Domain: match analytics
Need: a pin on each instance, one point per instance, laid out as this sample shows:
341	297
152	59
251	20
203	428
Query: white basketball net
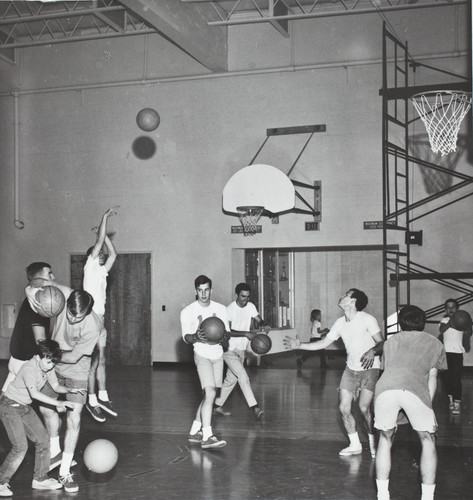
442	113
249	217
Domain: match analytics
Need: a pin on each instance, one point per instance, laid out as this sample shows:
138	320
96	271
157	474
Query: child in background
22	422
316	333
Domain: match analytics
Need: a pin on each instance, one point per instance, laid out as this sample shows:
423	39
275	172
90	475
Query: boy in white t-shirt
244	321
208	358
96	270
453	343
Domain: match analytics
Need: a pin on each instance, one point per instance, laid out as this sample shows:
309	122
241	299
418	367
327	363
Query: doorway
128	307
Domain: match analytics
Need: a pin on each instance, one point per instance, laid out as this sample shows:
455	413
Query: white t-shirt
357	335
240	319
95	282
452	339
193	315
314	331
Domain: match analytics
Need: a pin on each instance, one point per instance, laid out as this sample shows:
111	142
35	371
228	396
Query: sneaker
299	363
218	410
70	486
56	461
195	438
213	442
258	412
47	484
351	450
5	490
96	412
456	408
107	406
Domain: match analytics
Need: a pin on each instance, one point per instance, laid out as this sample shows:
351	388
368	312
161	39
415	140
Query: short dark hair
202	280
80	302
411	318
35	268
242	287
314	313
47	348
453	301
360	298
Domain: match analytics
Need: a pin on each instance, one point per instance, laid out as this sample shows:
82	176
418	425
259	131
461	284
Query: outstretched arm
111	252
102	231
291	343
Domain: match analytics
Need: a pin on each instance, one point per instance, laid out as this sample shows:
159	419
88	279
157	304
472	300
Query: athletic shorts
210	371
71	383
355	381
389	403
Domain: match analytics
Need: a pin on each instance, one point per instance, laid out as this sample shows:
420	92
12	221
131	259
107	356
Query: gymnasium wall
77	108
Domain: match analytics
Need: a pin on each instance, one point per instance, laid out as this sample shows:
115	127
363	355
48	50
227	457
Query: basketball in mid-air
214	329
261	343
52	301
148	119
461	320
100	456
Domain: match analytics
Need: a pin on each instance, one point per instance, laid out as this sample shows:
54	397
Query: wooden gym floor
291	453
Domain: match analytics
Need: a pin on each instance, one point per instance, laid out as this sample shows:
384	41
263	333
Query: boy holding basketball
96	270
207	357
364	344
29	327
22	422
242	316
453	342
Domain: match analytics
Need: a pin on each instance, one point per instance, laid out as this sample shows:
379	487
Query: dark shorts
355	381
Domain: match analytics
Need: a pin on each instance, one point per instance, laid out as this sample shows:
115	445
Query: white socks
54	446
103	395
428	491
93	400
66	462
354	440
196	426
382	486
206	433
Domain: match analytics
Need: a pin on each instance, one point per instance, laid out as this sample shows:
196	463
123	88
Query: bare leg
91	385
428	457
383	455
366	397
100	370
345	402
206	406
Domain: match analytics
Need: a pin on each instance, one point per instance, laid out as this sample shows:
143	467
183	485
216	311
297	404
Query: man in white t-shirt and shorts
242	315
208	359
363	341
96	270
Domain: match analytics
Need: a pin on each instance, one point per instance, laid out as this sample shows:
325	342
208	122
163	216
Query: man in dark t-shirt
29	326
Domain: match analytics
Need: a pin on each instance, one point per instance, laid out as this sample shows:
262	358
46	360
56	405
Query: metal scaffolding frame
398	163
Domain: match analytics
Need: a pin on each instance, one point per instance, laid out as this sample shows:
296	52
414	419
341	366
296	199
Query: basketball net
249	217
442	113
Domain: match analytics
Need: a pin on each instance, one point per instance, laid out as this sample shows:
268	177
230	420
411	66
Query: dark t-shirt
23	343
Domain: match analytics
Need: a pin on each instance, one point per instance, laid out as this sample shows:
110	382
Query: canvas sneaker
107	406
47	484
219	410
212	442
96	412
456	410
5	490
195	438
351	450
70	486
258	412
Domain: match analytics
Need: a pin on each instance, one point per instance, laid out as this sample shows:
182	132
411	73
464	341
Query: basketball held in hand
461	321
52	301
214	329
261	343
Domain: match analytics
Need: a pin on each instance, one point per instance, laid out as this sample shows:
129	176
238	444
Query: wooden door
128	307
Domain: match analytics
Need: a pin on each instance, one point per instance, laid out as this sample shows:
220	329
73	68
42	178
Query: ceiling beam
185	25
